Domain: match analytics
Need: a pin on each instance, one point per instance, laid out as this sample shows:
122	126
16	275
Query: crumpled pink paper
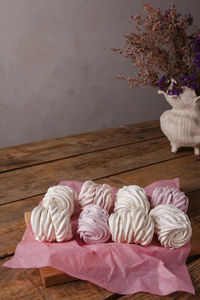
120	268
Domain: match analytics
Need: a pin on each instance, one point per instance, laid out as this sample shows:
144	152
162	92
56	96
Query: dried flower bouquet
164	47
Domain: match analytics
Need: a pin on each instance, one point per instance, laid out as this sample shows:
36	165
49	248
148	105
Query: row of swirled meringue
135	217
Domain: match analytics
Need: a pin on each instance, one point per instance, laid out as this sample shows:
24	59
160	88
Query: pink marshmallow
93	225
167	195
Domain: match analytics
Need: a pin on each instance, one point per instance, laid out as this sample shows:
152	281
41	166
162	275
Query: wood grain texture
194	204
51	276
195	239
27	217
12	224
133	154
186	168
19	184
59	148
17	284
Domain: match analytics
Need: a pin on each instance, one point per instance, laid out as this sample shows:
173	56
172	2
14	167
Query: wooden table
134	154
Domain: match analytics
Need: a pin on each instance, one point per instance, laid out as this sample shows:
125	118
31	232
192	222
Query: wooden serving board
51	276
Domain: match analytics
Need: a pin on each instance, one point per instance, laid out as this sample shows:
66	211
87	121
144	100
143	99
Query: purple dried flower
197	61
193	85
166	12
163	45
195	43
175	90
164	82
162	21
190	80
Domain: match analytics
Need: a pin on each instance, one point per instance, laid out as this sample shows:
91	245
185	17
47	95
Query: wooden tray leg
49	275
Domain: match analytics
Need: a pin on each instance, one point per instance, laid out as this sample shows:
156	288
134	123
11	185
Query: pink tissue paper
119	268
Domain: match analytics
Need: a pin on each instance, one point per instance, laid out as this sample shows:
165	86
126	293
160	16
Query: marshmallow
131	226
171	225
131	196
92	193
52	224
61	196
167	195
93	225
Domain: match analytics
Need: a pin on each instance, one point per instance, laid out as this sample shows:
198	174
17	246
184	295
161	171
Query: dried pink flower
161	45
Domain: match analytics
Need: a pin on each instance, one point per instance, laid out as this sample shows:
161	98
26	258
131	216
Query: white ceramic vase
181	124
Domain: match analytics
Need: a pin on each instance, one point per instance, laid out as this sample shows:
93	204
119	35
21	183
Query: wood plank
12	224
59	148
27	284
15	218
27	217
194	207
186	168
194	271
195	240
31	181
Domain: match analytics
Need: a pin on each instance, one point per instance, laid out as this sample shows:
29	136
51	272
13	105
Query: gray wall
57	73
